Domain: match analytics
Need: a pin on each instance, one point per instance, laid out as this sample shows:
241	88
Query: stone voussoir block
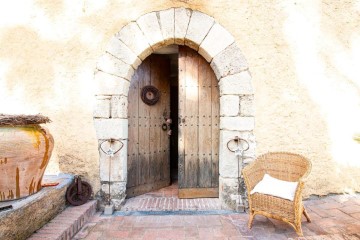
166	20
216	41
117	163
119	106
108	84
149	25
182	18
102	107
119	50
116	128
134	38
114	66
229	61
199	26
230	105
237	123
239	83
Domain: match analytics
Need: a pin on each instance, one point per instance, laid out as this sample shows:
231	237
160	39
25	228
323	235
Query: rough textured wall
303	55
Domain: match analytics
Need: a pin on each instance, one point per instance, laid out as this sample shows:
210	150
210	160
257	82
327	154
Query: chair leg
251	219
298	228
306	215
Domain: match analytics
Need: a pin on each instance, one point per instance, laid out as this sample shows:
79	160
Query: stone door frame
125	52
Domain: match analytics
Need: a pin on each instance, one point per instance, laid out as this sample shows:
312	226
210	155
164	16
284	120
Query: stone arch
125	52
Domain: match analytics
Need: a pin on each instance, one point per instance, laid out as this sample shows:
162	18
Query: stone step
66	224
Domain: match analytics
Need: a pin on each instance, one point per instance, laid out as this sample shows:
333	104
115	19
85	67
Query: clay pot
24	154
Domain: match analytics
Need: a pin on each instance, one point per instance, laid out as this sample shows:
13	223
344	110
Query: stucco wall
303	55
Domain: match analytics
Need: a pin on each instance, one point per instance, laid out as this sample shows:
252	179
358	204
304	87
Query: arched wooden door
198	127
148	146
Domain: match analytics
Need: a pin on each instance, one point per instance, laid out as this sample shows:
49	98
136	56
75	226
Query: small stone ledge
31	213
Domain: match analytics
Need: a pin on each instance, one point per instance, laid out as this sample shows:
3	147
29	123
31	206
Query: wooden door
148	146
198	127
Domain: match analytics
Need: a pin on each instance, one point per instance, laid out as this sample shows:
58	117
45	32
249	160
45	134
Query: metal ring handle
112	140
238	140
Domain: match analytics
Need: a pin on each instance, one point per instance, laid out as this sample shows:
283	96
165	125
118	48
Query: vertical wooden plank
133	141
181	127
164	88
153	161
215	132
205	118
144	130
156	119
191	120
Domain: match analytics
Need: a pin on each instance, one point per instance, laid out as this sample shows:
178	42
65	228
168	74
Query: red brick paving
166	199
333	217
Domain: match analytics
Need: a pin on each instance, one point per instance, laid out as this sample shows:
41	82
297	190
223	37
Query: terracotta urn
25	150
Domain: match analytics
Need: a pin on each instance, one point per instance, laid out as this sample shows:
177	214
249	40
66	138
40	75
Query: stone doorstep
66	224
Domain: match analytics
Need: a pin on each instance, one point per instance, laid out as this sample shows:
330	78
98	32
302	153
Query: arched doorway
176	138
136	41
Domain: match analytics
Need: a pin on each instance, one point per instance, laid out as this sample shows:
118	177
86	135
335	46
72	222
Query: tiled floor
333	217
167	199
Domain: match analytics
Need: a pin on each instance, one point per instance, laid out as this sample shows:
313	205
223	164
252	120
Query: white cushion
276	187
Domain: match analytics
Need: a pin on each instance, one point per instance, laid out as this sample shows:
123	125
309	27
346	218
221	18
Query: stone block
107	84
119	50
228	192
117	193
102	107
182	18
230	105
239	84
199	26
119	106
228	164
166	20
216	41
116	128
149	25
116	164
111	65
237	123
247	106
229	61
134	38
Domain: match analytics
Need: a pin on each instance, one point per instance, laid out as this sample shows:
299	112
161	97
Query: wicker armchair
284	166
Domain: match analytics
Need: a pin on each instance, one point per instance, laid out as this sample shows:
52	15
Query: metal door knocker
150	95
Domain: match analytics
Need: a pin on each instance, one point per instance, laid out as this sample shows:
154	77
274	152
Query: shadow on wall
325	49
51	77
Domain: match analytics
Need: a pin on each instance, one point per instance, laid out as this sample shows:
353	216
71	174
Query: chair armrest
253	173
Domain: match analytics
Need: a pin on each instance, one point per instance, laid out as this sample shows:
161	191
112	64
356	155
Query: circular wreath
150	95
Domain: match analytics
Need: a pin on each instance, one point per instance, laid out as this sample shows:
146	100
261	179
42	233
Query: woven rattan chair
284	166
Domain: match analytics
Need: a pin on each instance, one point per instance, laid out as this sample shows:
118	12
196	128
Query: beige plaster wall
303	55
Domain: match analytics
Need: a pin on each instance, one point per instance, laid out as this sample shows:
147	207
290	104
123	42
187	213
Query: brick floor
333	217
167	199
